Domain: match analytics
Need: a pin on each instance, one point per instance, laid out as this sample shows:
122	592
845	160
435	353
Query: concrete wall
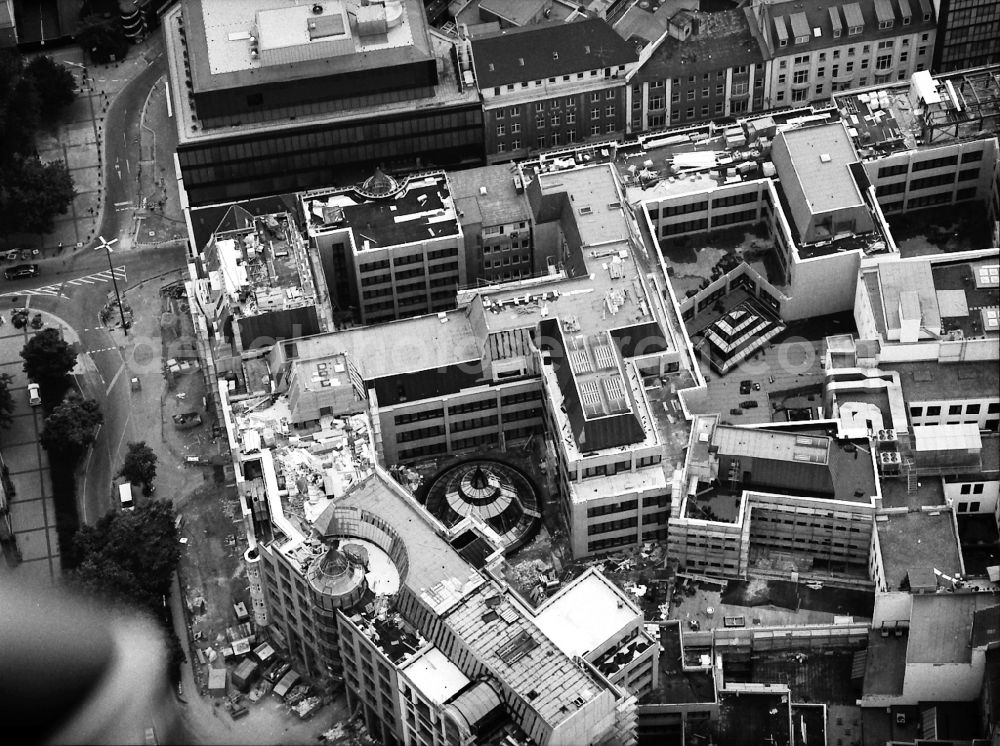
944	682
823	285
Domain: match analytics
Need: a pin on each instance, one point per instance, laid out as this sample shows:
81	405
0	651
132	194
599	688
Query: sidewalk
158	218
77	140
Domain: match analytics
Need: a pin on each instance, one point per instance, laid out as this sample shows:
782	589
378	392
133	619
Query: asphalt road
80	294
121	141
73	290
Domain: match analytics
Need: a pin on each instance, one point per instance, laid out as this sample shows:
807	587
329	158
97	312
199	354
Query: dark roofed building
818	48
549	49
294	96
710	65
551	84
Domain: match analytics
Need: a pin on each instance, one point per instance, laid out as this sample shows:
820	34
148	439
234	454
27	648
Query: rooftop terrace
448	91
929	379
917	540
608	611
924	110
397	347
260	263
417	210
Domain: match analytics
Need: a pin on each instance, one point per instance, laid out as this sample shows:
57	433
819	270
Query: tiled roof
803	18
722	40
548	50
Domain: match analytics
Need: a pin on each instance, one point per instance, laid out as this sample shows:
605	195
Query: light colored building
817	48
496	220
774	500
252	281
390	249
928	647
357	582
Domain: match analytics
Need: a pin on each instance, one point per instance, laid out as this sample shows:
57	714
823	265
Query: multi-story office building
815	48
272	96
551	84
390	249
252	280
968	34
496	220
771	500
709	66
357	582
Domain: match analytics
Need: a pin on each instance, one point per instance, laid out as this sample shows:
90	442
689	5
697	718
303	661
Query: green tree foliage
130	556
54	84
128	560
6	400
71	427
32	193
19	108
139	466
48	358
102	38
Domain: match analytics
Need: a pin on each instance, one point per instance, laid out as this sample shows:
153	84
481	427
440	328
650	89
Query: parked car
34	398
21	270
749	404
745	387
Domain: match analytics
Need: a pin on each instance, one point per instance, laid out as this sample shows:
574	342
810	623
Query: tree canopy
128	559
102	38
19	108
71	427
48	358
6	400
32	193
139	466
55	86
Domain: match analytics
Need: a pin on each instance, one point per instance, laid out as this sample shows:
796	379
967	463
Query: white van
125	496
34	397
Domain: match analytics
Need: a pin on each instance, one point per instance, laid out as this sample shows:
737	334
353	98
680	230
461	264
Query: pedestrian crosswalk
59	288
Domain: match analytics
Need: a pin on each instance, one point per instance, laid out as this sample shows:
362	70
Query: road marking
56	289
114	380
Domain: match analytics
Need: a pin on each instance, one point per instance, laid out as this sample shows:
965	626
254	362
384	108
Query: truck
125	496
187	420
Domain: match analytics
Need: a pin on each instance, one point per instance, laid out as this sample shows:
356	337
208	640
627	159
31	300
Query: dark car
745	387
21	270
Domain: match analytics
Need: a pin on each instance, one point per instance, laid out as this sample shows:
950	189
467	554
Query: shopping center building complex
578	320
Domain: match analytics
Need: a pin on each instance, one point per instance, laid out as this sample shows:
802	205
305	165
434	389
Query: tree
19	108
32	193
102	38
6	400
71	428
140	466
48	358
54	84
111	567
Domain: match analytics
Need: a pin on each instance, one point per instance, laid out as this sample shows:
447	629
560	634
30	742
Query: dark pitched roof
801	18
722	40
548	50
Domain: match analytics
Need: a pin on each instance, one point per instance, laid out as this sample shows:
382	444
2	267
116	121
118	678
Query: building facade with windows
270	98
552	84
968	34
496	219
815	49
390	249
709	66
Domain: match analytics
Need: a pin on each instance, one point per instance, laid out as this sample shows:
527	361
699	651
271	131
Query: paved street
109	358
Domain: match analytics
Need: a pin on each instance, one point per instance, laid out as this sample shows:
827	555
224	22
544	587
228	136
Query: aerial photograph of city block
500	372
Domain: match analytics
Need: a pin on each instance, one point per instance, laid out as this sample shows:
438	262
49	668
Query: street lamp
106	245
